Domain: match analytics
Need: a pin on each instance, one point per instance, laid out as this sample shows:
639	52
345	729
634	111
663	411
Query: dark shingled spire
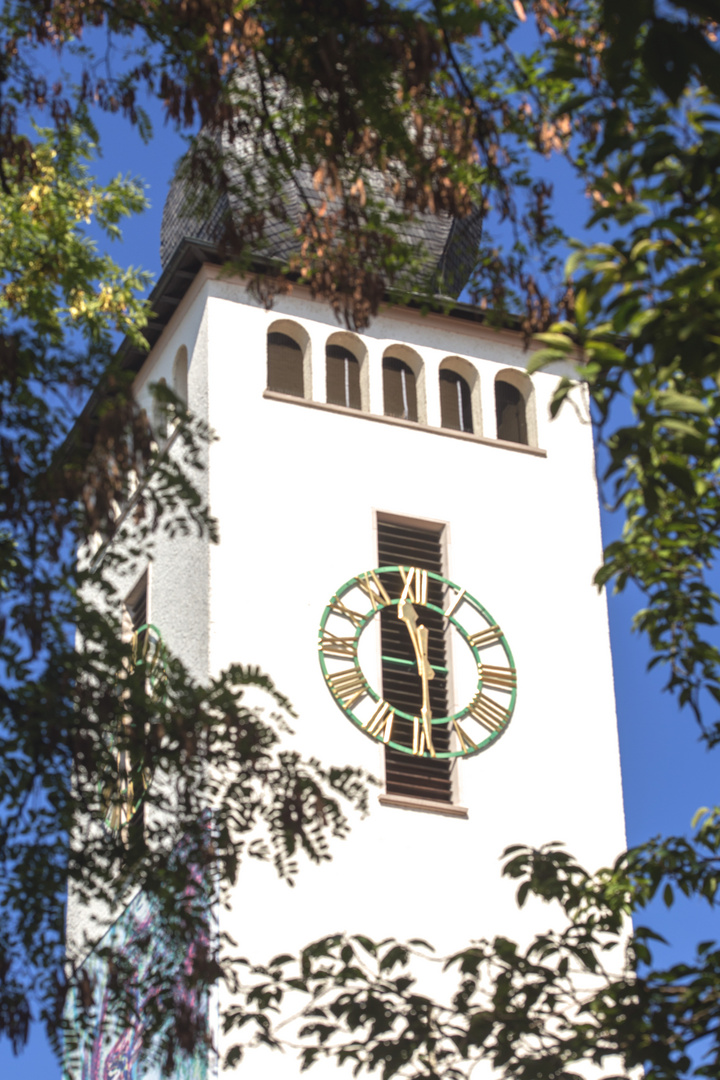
450	244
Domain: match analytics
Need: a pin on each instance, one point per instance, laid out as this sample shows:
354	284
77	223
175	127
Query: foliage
368	114
66	700
585	993
635	97
374	112
645	323
386	134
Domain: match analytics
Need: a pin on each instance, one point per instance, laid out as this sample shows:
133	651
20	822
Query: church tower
407	546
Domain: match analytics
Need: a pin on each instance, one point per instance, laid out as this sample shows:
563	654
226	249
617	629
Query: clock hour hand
419	638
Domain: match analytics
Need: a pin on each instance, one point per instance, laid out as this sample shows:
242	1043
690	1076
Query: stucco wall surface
177	568
297	491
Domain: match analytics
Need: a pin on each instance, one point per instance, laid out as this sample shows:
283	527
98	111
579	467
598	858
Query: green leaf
544	357
582	306
559	341
699	815
676	402
642	247
558	399
680	476
365	943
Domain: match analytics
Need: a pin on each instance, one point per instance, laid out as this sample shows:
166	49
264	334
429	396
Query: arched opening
455	401
180	375
285	364
342	374
510	410
399	389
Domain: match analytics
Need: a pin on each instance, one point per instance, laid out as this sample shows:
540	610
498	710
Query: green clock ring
405	592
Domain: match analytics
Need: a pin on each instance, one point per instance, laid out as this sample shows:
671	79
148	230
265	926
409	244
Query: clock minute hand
419	638
426	674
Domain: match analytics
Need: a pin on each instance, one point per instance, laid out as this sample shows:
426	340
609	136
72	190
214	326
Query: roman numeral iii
497	678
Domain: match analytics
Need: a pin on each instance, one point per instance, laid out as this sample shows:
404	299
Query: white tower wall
296	486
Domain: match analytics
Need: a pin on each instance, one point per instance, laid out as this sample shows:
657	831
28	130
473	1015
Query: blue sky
667	774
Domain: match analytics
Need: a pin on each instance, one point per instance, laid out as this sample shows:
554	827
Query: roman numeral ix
332	645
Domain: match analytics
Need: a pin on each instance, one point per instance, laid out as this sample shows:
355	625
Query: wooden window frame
408	392
464	403
299	337
506	389
525	386
352	396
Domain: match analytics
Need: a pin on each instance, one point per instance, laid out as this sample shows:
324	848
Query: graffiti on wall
106	1030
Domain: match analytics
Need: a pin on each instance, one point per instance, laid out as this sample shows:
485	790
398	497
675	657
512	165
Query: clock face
421	613
122	798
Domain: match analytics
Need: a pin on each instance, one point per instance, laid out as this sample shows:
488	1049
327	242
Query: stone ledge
428	806
500	444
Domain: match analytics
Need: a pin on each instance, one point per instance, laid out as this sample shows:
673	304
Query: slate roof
450	244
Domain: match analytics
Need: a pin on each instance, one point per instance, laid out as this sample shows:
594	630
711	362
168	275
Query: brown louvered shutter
342	377
455	409
285	365
410	545
399	391
510	412
137	607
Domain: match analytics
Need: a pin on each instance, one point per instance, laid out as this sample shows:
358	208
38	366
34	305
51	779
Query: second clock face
123	796
420	613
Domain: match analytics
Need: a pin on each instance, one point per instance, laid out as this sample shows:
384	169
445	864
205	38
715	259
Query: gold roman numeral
463	738
371	584
497	678
338	608
454	604
418	746
347	685
488	713
333	645
382	717
415	583
485	637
